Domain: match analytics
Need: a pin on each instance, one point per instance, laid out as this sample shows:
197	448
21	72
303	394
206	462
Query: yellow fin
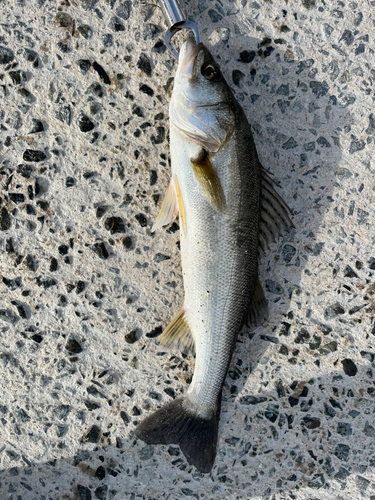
209	181
168	209
180	204
178	333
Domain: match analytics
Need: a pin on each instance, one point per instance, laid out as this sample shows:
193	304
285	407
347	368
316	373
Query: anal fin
178	333
257	312
209	181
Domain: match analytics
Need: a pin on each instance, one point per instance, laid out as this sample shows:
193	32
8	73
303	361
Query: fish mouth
190	55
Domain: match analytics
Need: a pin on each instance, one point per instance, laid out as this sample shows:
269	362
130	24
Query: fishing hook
176	21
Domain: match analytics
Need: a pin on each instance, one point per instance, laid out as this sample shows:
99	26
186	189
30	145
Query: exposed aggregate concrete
86	288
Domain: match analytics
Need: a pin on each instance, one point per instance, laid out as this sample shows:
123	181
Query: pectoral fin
180	202
209	181
257	312
178	333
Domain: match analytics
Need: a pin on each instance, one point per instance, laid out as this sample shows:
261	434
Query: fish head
202	105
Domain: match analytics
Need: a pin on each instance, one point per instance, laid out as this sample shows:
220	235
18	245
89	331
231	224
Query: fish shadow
288	428
293	114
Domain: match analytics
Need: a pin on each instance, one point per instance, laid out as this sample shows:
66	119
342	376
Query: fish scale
211	259
216	186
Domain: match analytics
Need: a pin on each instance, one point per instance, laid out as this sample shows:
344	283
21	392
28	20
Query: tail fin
175	423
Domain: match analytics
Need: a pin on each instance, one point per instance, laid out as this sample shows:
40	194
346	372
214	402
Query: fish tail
178	423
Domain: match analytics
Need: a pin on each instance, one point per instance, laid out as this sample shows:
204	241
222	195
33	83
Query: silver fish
228	209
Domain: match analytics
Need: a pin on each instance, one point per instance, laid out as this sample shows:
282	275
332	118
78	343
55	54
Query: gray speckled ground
86	288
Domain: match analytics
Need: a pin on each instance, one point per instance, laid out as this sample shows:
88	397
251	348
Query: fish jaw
188	58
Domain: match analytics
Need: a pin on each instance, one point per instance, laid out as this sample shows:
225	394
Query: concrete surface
86	288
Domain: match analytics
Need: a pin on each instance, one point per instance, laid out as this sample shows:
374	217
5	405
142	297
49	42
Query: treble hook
176	21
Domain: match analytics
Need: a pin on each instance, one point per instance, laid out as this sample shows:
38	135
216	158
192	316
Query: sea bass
228	209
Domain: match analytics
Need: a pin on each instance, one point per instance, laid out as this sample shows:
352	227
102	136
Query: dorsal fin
257	312
178	333
274	212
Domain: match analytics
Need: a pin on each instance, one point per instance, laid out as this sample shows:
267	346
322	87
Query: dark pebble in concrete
17	198
64	114
4	219
349	367
101	72
116	25
115	225
333	311
144	64
84	493
320	89
155	332
128	243
170	392
215	16
8	316
84	65
30	263
34	155
146	90
85	124
311	422
251	400
159	137
147	452
247	56
63	249
85	31
131	337
36	127
142	220
274	287
344	429
25	170
100	473
124	10
159	257
342	452
159	47
237	77
6	55
63	20
45	282
73	346
100	250
92	435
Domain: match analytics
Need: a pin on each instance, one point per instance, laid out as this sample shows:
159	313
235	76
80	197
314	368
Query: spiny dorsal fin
209	181
257	312
274	213
178	333
168	209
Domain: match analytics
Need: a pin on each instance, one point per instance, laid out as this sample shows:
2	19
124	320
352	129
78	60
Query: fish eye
211	72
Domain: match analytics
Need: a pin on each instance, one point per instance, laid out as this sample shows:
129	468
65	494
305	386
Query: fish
229	212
